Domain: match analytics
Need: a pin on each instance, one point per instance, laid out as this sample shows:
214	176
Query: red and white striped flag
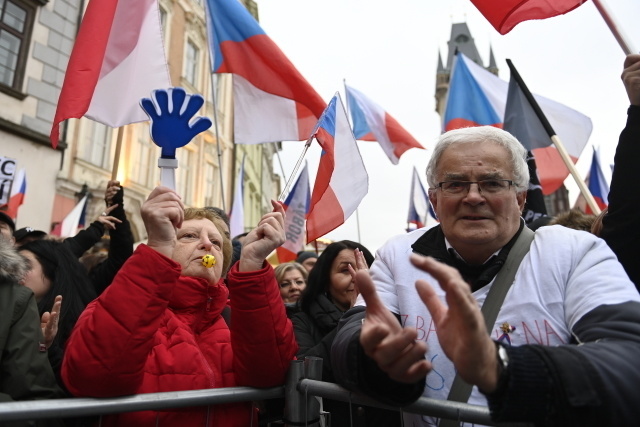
118	58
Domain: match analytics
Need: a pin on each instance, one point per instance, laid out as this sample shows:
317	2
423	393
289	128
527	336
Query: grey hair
13	266
517	152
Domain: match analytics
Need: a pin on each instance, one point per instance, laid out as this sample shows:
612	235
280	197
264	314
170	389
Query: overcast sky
389	50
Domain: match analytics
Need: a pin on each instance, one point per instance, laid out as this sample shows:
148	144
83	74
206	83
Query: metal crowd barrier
301	406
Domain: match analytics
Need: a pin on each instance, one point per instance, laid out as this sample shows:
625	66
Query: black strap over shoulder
460	390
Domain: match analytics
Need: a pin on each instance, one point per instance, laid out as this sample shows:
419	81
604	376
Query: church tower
460	41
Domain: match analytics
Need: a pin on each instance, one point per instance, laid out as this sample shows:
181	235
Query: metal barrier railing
301	407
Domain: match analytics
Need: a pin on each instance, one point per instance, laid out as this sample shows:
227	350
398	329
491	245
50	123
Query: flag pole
307	144
285	190
349	120
116	157
219	151
614	27
555	139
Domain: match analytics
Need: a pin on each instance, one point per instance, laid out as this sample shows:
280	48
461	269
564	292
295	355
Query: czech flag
506	14
477	98
271	100
296	206
419	205
18	191
372	123
70	224
117	59
342	180
598	185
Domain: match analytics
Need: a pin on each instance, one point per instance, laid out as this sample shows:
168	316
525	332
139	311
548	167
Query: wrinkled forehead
487	157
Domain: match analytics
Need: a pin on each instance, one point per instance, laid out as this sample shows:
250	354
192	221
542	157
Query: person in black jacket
120	239
329	293
619	225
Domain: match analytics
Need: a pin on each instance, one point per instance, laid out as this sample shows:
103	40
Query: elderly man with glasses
418	329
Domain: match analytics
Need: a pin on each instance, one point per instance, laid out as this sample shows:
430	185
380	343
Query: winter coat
25	372
315	332
154	330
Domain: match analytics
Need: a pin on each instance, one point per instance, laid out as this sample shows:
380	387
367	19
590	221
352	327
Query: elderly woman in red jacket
159	328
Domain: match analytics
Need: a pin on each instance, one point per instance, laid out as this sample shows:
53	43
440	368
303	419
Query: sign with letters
7	173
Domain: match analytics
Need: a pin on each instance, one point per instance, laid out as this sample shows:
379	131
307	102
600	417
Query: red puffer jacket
153	330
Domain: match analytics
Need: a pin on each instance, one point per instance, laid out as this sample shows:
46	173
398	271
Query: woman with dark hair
329	293
55	271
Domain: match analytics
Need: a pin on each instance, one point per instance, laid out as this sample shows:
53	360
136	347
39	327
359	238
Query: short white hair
517	152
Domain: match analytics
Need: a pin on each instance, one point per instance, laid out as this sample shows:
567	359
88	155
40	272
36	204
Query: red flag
117	59
506	14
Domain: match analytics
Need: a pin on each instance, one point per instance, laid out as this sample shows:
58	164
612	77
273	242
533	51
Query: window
97	144
191	63
184	175
142	156
16	19
212	182
163	20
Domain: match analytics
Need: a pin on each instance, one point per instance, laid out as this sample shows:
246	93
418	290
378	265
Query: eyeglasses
488	187
299	283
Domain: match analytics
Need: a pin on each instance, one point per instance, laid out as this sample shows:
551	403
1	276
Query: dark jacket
120	245
25	372
315	332
620	225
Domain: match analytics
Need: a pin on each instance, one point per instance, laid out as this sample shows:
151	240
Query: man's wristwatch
503	368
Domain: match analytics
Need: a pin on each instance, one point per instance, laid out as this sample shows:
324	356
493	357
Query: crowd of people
540	324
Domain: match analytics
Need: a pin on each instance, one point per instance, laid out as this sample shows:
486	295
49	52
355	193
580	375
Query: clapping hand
171	123
262	240
394	348
49	322
462	332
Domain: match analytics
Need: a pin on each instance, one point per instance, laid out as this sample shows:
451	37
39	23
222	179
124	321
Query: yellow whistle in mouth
208	261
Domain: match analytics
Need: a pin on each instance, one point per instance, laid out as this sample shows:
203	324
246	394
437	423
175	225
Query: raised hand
162	214
113	186
262	240
361	264
383	339
107	220
461	328
631	78
49	321
171	122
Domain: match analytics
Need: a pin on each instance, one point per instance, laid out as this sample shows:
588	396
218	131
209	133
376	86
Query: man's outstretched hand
383	339
171	127
461	328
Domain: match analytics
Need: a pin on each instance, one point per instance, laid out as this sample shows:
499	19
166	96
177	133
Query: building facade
41	36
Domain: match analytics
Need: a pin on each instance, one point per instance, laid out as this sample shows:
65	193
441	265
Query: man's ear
522	198
433	199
